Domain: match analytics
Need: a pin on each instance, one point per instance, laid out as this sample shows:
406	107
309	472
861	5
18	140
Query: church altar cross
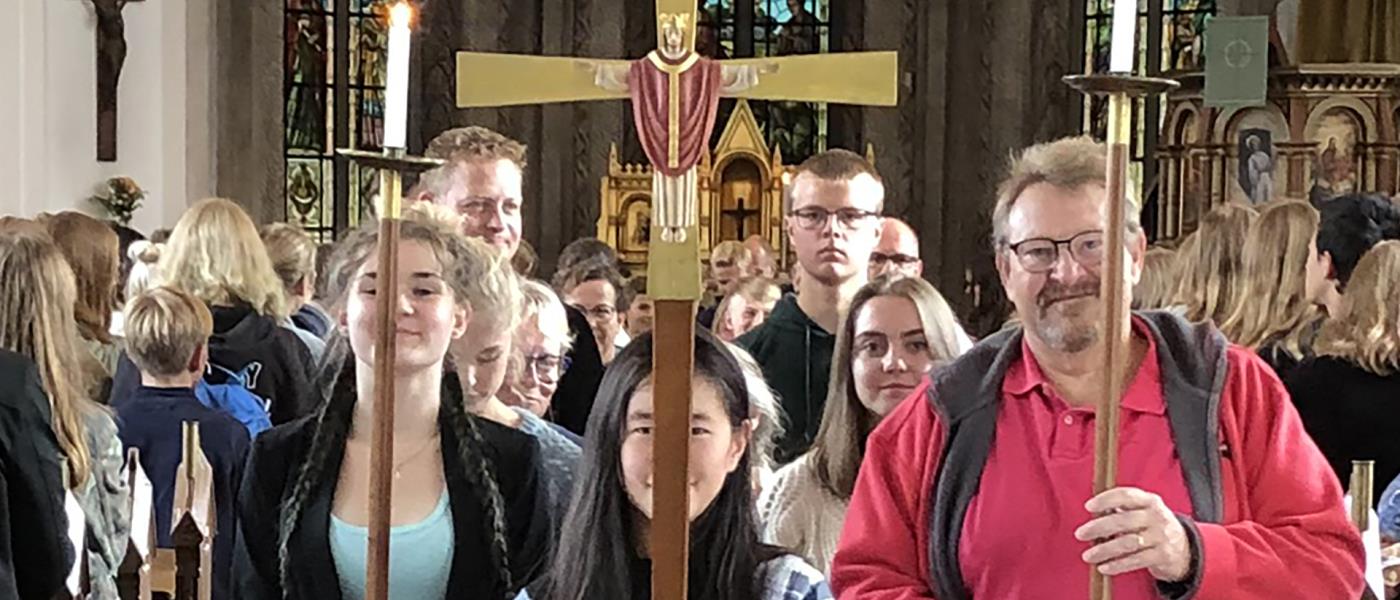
741	215
675	93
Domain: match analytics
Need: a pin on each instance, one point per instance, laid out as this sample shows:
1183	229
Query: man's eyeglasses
1039	255
899	260
849	218
602	311
547	366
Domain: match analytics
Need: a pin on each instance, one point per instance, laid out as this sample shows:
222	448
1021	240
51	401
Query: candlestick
396	96
1124	36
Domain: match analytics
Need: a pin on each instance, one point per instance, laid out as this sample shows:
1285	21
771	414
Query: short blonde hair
292	252
1154	290
470	144
540	304
732	251
1067	163
164	328
1367	330
216	254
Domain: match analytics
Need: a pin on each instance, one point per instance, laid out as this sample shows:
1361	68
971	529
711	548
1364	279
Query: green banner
1237	61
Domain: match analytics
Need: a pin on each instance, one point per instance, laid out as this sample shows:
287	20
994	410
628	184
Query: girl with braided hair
465	489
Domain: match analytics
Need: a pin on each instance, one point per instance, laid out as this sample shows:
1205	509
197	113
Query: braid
471	451
332	428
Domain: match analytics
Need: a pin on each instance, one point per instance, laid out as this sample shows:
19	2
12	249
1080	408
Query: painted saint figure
675	97
1261	172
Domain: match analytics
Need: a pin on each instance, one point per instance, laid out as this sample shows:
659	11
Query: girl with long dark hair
603	551
465	489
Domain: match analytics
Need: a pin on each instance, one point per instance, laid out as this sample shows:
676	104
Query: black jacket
795	354
151	422
1351	413
34	551
279	362
573	399
272	471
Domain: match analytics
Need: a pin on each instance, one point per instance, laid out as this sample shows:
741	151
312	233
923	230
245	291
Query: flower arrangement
121	198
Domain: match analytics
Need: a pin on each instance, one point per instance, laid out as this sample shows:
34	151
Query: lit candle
1124	36
396	96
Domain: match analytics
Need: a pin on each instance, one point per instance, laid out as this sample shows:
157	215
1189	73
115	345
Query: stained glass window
785	28
313	200
779	28
1175	43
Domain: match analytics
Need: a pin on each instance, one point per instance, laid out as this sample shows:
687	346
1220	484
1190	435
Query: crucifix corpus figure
675	94
111	56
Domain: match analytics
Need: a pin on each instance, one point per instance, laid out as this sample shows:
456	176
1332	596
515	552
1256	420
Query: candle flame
400	15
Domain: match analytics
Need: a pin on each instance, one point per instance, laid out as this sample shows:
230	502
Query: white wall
48	107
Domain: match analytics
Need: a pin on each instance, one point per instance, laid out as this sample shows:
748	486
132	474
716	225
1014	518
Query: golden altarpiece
741	194
1326	130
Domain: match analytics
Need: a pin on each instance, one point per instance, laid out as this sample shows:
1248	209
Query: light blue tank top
420	556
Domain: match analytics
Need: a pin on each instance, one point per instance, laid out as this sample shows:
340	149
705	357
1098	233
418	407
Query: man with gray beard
1223	494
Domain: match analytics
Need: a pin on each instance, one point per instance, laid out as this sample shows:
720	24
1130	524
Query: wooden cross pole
1120	89
674	92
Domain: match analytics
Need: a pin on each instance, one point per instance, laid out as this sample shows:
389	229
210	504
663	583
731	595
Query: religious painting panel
636	224
1255	167
1336	135
1255	148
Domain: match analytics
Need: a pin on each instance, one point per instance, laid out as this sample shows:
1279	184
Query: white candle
396	96
1124	36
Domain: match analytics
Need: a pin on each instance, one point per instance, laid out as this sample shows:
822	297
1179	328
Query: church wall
48	108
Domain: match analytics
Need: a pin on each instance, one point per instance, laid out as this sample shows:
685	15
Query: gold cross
491	80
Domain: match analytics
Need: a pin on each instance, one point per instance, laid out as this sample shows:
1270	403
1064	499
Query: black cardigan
272	471
34	548
1351	413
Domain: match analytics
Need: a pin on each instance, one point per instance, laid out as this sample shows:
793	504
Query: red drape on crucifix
674	131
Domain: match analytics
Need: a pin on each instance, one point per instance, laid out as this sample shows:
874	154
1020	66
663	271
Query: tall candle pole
1121	87
391	163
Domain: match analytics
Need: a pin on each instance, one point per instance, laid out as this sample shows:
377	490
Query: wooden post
1120	89
381	452
673	358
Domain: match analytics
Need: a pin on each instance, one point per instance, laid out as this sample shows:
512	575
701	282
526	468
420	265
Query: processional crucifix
675	96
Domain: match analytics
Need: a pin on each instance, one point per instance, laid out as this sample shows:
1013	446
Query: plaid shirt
791	578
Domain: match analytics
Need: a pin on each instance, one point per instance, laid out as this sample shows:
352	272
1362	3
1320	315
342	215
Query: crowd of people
848	438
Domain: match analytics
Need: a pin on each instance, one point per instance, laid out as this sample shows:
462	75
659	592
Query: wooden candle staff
1120	89
392	163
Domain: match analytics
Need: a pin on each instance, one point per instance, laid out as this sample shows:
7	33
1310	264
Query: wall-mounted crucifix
111	55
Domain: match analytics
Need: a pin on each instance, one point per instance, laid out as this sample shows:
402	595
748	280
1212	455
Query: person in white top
896	332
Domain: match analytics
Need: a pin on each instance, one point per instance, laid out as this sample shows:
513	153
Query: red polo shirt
1018	538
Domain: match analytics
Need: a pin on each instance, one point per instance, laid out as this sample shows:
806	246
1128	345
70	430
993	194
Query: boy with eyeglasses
833	223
